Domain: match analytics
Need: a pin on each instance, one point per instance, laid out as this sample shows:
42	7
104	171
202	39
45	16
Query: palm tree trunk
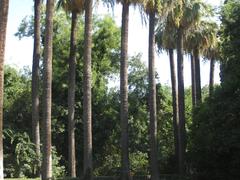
181	104
152	99
211	80
197	77
174	102
193	72
87	94
4	4
125	174
71	97
47	93
35	82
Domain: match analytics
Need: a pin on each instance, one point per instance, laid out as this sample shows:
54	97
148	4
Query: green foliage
230	29
105	104
57	168
20	157
215	130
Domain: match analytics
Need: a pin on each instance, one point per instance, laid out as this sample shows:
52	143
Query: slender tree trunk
193	72
35	82
87	93
211	80
71	97
152	99
125	174
174	102
198	77
47	93
181	104
3	30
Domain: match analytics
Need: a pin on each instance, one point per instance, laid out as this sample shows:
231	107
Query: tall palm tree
35	81
47	93
87	94
4	4
181	101
201	38
125	172
152	8
75	7
152	96
166	39
71	98
187	15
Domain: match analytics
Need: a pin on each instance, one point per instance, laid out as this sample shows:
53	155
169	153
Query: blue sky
19	52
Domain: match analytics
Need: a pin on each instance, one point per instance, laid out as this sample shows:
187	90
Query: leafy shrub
20	159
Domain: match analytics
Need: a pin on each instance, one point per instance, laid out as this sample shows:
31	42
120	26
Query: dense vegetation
215	129
203	143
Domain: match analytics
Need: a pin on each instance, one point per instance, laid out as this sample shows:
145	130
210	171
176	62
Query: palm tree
35	81
125	173
152	96
4	4
166	39
75	7
87	94
152	8
200	39
47	93
212	54
187	15
181	101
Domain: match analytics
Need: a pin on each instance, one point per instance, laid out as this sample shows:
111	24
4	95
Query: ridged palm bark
193	75
35	82
87	94
211	77
181	103
197	76
174	100
71	97
125	174
152	98
4	4
47	93
74	7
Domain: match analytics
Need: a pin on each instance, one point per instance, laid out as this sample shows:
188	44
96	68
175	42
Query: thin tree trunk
152	99
193	72
35	82
211	80
4	4
71	97
198	77
174	101
87	94
125	174
181	104
47	93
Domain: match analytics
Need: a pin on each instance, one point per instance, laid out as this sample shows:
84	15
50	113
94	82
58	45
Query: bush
20	159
